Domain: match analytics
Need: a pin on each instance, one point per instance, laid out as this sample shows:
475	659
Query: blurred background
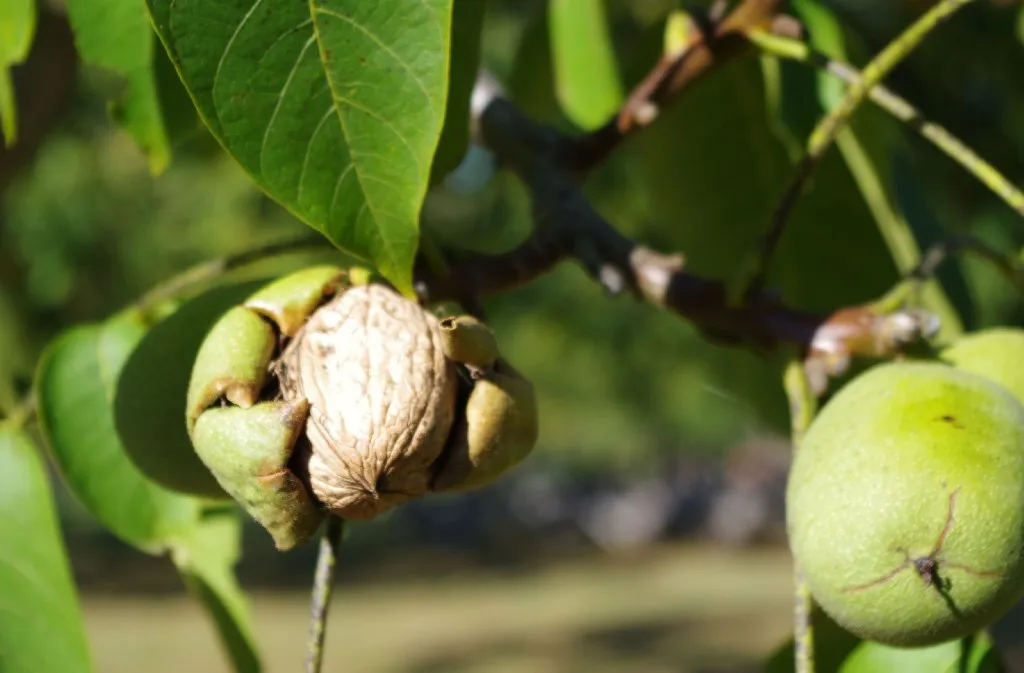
646	532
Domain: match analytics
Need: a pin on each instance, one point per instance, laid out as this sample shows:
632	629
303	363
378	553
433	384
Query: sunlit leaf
467	24
334	108
116	35
41	626
149	404
17	27
972	655
839	651
586	75
75	387
206	561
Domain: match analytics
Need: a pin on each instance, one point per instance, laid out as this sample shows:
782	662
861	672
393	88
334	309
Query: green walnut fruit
997	354
905	504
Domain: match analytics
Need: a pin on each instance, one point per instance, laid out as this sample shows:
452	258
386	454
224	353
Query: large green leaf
712	194
467	26
17	27
870	147
206	562
41	625
972	655
116	35
149	405
586	75
75	387
832	645
335	108
839	651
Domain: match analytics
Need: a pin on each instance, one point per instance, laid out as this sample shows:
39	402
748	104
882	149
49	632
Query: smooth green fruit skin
996	353
874	475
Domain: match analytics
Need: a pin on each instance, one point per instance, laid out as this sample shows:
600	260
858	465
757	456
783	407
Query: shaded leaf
206	561
334	108
467	26
149	405
41	626
117	35
586	75
832	645
714	172
839	651
75	387
17	27
870	146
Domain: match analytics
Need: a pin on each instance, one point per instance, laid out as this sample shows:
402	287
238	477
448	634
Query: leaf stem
802	406
211	269
323	584
824	133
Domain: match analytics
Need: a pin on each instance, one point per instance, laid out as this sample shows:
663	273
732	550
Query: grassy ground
678	610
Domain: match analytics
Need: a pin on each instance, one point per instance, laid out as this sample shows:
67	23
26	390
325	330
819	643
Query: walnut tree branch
705	42
567	228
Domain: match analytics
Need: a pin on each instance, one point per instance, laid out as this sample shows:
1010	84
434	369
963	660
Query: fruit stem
323	584
803	404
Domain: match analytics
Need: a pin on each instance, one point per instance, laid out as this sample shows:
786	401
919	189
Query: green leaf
117	35
839	651
712	196
467	26
335	108
971	655
41	626
832	645
75	387
17	27
868	147
206	563
149	406
586	77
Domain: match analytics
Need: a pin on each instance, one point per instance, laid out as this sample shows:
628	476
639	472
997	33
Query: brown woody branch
709	42
567	228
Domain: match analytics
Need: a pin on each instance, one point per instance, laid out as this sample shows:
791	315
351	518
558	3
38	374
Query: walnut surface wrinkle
381	394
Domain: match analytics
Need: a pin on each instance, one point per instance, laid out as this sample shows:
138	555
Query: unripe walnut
905	504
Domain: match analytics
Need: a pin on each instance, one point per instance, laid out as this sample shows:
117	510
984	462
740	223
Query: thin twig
211	269
323	585
802	407
824	133
901	109
1007	265
707	42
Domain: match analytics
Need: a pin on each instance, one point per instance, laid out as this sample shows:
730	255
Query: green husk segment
231	363
873	483
996	353
469	341
248	451
290	300
499	429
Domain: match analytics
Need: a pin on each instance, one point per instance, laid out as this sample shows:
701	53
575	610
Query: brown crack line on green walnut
928	566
